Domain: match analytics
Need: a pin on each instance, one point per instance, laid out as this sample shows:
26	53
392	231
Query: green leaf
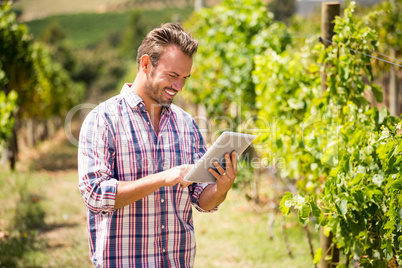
382	115
304	214
334	172
357	179
390	225
323	220
372	208
285	204
313	68
330	156
357	249
356	139
378	179
396	185
355	225
377	255
400	238
315	210
388	251
295	104
379	264
341	206
317	256
377	92
359	196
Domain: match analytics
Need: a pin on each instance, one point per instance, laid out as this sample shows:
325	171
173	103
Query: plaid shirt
118	143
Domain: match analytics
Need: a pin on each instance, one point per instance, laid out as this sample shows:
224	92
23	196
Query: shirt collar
135	101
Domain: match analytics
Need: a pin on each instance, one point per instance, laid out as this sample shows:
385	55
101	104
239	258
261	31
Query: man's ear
145	63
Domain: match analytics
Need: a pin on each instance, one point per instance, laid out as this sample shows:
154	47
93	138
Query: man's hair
159	39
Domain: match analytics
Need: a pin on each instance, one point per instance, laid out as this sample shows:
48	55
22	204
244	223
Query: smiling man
134	152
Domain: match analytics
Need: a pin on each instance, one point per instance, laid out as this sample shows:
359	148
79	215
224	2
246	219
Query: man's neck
154	109
154	112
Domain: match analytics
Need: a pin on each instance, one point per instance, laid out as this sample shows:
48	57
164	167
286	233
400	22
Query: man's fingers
229	168
219	177
219	167
234	162
231	164
184	169
216	175
185	184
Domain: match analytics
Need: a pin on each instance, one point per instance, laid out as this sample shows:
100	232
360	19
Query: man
134	152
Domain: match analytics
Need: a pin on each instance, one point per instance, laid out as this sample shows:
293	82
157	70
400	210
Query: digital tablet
226	143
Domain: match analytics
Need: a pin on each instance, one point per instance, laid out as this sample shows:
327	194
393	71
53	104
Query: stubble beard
155	93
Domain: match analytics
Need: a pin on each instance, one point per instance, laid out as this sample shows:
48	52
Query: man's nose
178	84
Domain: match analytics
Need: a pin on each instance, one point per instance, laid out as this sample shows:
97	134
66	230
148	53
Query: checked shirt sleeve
96	163
199	149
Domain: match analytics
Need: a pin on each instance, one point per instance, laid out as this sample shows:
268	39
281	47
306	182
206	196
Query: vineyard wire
356	51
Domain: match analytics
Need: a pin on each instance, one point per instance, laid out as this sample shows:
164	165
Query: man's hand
176	175
214	194
225	178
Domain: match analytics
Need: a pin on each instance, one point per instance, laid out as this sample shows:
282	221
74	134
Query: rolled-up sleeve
96	154
198	188
199	149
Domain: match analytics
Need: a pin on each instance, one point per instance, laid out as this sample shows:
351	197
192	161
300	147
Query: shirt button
163	226
162	200
163	250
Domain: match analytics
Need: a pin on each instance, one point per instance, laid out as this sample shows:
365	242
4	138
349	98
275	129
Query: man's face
168	78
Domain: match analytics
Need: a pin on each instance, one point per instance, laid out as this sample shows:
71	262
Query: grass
85	29
60	240
235	236
43	8
43	191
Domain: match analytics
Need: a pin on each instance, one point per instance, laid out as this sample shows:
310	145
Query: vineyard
326	111
42	8
341	151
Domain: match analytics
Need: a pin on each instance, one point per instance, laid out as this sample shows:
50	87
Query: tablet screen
226	143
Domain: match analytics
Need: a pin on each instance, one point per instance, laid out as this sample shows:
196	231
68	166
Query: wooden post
199	4
393	90
329	10
13	148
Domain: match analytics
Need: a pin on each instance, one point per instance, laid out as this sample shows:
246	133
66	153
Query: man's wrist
160	180
220	192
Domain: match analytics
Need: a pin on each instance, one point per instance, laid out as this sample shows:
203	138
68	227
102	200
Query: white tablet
226	143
